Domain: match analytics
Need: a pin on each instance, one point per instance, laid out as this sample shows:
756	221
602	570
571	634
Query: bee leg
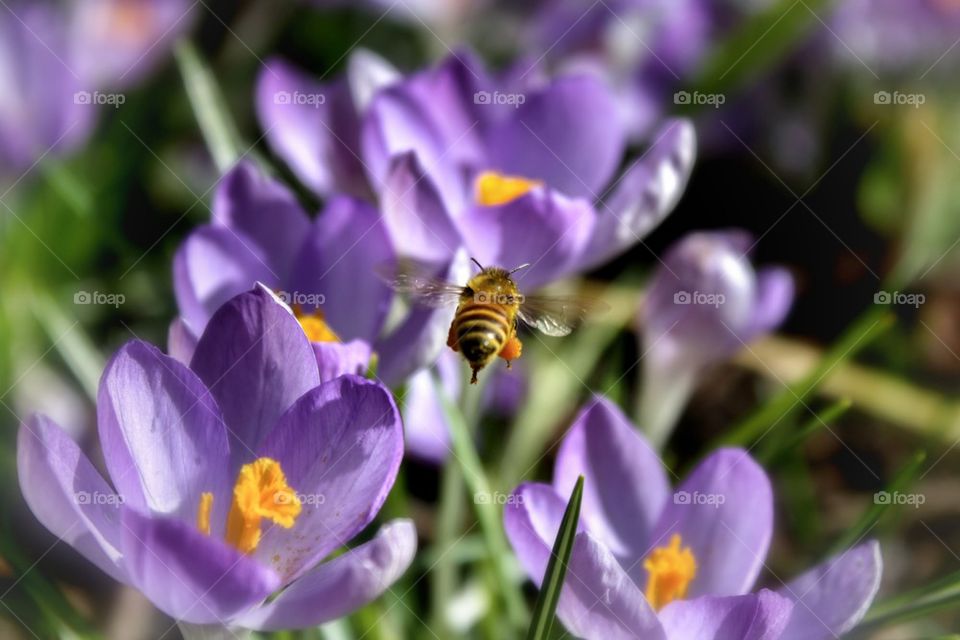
473	378
511	350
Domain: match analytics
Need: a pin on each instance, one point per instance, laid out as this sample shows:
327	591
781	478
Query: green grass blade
904	478
861	333
776	449
216	124
545	610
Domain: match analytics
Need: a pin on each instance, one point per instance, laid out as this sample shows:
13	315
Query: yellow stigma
203	512
496	188
671	570
315	326
261	492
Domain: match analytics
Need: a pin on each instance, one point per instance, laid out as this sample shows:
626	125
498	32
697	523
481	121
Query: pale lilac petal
314	127
625	485
414	214
760	616
212	265
422	335
830	599
775	292
335	359
264	212
67	495
342	585
424	421
645	194
340	447
568	135
368	73
724	512
181	342
188	575
599	600
396	123
543	228
256	361
163	437
340	260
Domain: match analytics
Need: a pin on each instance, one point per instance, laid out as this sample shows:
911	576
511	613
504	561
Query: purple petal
568	135
342	585
188	575
422	335
256	361
775	291
265	212
67	495
424	421
599	600
212	265
761	616
723	511
396	123
625	486
368	73
414	214
645	194
181	342
335	359
340	446
313	127
833	597
542	228
346	247
163	437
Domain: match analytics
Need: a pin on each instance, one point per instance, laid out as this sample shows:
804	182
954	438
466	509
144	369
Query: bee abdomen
481	331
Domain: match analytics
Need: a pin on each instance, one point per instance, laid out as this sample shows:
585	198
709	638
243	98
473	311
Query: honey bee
489	308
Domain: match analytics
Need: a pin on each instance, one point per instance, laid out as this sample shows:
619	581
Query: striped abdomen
481	330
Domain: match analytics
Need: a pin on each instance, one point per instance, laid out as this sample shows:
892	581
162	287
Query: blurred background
828	129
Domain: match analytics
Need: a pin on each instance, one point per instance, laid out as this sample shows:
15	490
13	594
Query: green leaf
545	610
776	449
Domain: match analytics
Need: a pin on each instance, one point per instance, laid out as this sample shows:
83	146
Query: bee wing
557	315
422	287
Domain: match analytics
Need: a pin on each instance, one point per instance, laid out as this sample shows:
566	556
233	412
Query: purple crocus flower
704	303
230	480
658	564
513	169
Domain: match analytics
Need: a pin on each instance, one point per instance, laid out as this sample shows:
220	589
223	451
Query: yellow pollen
203	512
261	492
315	326
671	570
496	188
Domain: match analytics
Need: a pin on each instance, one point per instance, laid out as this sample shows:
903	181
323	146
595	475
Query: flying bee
489	308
